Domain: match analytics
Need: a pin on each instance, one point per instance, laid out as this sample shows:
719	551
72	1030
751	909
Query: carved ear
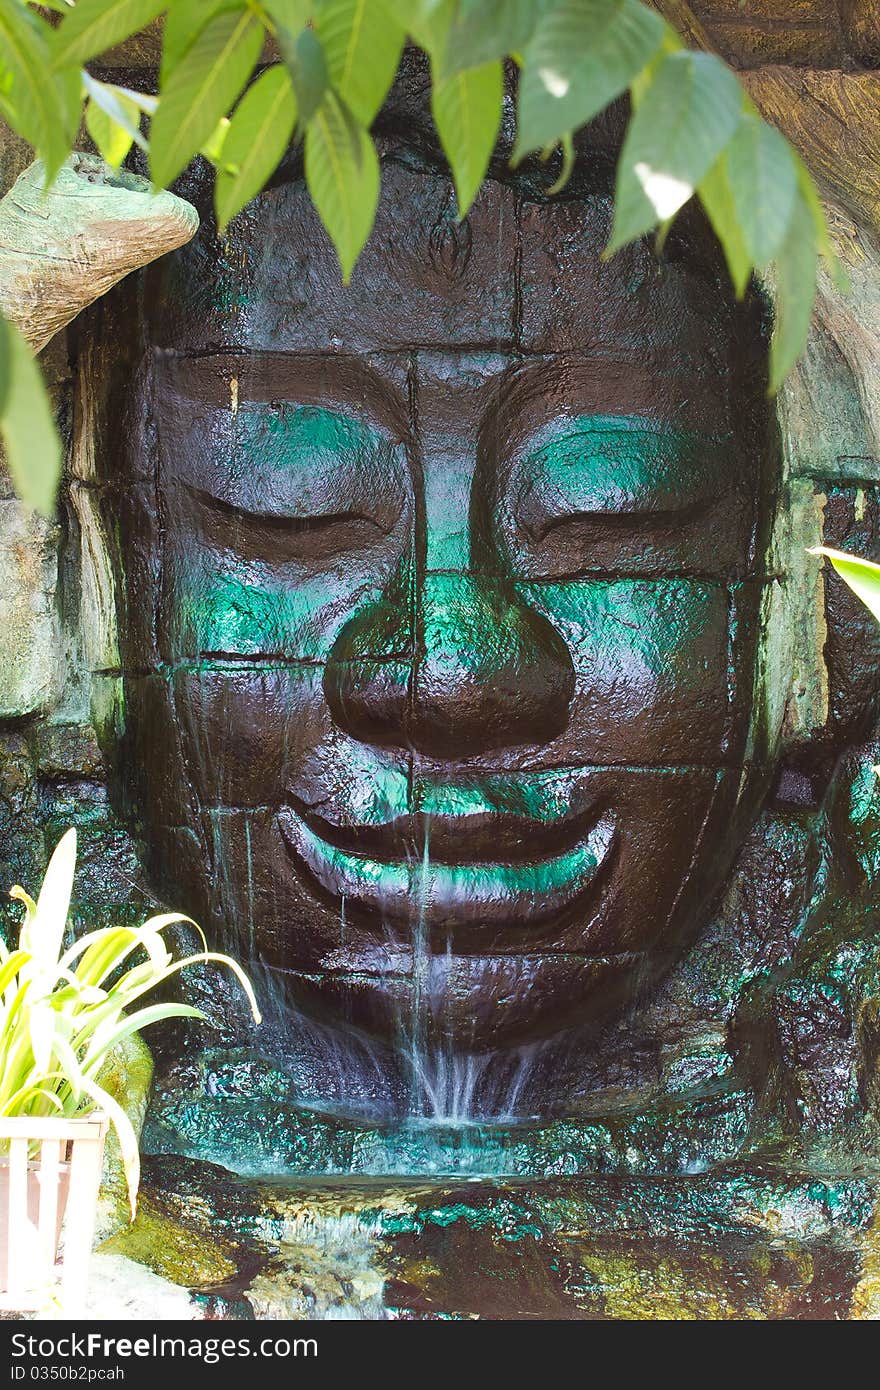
61	250
836	686
829	414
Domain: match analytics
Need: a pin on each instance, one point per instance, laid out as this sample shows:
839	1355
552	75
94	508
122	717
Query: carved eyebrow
230	380
680	437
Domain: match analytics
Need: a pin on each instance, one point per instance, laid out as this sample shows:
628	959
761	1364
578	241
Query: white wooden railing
70	1154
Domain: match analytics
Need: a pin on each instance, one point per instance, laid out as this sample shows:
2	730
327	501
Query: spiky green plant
862	576
63	1012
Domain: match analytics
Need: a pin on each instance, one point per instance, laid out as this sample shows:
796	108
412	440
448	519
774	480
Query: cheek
651	659
254	738
246	731
664	818
215	602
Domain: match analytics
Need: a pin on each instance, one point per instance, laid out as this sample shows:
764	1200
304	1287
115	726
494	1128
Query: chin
473	1003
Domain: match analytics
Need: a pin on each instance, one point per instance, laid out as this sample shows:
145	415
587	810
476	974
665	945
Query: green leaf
255	143
200	90
118	105
763	180
42	113
487	29
717	198
362	46
428	22
133	1023
46	931
213	146
582	55
5	364
69	93
142	100
27	424
796	266
342	172
862	576
808	192
467	113
111	139
568	161
93	26
184	22
128	1144
291	15
687	116
307	66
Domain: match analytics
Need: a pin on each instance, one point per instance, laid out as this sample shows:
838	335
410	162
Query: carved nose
483	671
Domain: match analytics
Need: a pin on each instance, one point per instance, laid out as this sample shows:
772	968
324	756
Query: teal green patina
605	464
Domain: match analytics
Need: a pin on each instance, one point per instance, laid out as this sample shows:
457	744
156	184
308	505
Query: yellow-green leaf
27	424
121	109
112	140
467	114
201	89
213	146
862	576
255	142
342	172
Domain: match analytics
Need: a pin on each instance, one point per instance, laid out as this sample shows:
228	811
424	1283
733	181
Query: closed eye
289	525
538	527
315	541
620	473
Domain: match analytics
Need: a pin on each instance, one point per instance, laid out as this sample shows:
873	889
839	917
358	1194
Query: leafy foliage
254	144
63	1012
694	131
343	176
467	114
27	423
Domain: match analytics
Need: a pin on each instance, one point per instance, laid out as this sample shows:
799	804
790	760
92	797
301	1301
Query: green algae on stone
190	1258
126	1076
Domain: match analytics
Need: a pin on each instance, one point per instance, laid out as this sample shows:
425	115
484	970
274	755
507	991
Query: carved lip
479	837
485	870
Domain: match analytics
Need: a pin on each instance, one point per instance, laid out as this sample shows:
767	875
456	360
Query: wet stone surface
730	1245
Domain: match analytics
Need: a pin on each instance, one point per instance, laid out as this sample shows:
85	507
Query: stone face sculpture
441	601
311	537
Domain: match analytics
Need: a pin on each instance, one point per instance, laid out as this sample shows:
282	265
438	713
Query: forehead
516	277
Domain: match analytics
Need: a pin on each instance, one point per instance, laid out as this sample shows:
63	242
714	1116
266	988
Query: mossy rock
127	1076
194	1260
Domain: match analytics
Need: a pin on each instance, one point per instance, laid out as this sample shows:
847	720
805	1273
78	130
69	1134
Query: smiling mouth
462	872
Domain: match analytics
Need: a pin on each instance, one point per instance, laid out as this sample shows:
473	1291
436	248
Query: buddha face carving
442	603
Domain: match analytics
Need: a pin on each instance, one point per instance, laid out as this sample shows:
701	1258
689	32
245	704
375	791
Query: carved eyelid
630	493
302	482
285	524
